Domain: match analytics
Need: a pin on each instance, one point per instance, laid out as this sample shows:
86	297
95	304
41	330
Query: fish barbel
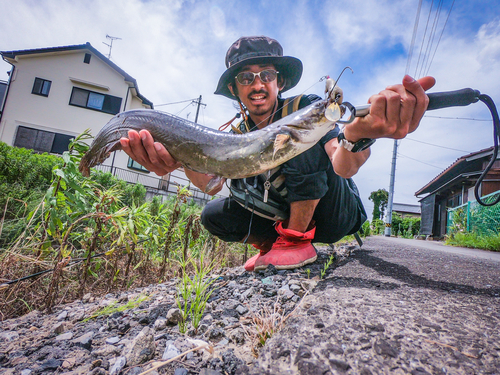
213	152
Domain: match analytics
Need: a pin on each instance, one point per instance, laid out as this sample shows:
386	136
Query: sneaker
291	250
264	249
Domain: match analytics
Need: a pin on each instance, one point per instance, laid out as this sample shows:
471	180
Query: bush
378	227
366	229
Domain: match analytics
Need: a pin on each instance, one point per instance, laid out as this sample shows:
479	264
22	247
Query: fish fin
280	142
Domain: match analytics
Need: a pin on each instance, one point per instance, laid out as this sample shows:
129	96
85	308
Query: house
54	94
454	187
406	210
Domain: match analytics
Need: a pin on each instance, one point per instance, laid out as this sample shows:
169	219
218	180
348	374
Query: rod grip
455	98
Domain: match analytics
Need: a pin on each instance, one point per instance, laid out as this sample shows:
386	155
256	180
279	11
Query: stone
382	347
59	328
241	310
112	340
63	315
8	336
174	316
141	349
65	336
170	351
160	324
118	365
181	371
85	341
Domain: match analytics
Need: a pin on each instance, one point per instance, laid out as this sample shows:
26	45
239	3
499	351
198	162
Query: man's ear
230	87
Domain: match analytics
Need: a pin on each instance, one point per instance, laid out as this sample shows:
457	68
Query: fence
472	217
156	185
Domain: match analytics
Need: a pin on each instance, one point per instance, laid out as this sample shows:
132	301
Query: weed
308	271
193	292
327	265
112	308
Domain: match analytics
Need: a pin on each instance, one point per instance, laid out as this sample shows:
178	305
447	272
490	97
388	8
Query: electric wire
182	101
439	40
431	144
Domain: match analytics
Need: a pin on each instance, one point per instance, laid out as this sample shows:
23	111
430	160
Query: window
41	87
132	164
87	57
96	101
41	140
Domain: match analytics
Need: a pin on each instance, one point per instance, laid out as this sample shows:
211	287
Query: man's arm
345	163
395	112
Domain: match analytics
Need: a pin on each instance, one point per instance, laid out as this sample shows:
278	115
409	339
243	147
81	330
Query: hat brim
289	67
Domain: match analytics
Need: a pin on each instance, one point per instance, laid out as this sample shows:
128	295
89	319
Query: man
323	202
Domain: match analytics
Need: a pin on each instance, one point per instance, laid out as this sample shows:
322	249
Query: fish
217	153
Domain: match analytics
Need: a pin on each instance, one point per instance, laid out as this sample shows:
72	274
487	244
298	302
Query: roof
406	208
10	57
465	167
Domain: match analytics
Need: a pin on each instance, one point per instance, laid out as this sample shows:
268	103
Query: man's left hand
395	111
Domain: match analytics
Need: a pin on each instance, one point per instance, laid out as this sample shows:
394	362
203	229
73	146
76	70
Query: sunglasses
247	78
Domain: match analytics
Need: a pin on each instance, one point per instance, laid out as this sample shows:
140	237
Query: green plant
365	228
327	265
193	292
112	308
308	271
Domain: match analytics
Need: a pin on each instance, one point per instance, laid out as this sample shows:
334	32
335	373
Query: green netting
472	217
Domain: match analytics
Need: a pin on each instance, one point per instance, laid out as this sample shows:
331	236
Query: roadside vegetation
95	234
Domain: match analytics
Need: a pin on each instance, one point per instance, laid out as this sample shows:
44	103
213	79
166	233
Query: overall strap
291	105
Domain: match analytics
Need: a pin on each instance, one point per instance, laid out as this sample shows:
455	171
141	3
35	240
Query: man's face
258	97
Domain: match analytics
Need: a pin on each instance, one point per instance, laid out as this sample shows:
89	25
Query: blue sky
176	49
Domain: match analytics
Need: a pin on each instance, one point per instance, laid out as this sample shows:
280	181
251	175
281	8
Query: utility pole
198	103
388	218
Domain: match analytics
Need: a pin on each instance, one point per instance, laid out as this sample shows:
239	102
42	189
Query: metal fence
158	186
474	218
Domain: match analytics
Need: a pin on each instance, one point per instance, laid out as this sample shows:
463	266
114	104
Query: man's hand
150	154
395	111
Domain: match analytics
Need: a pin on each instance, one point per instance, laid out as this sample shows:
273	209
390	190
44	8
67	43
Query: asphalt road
396	306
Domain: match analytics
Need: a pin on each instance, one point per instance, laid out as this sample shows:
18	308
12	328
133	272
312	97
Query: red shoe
291	250
264	249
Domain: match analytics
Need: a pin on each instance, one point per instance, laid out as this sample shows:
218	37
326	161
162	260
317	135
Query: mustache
261	91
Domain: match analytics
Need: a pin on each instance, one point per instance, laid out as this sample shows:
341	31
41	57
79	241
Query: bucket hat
258	50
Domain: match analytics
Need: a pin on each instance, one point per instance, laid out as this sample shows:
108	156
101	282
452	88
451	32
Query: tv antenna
110	45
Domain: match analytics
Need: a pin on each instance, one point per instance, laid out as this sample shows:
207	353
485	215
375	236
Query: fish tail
95	156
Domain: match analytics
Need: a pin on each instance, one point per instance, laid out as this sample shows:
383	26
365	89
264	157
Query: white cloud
176	50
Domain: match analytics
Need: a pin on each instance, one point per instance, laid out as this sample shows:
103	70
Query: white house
54	94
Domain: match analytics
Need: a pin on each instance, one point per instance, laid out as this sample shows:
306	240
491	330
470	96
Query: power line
459	118
431	144
420	161
182	101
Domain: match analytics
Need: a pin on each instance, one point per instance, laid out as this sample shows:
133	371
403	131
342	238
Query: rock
241	310
112	340
141	349
65	336
85	341
118	365
26	372
8	336
170	351
87	298
160	324
63	315
51	364
181	371
382	347
59	328
174	316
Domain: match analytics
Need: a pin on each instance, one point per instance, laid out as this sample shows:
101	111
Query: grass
113	308
474	241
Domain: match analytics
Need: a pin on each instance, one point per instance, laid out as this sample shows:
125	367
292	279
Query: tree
380	199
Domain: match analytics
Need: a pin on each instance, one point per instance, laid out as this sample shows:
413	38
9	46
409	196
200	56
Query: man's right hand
150	154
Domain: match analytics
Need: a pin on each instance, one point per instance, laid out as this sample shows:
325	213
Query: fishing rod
445	99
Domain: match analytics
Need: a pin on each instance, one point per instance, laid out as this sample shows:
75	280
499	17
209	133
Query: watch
358	146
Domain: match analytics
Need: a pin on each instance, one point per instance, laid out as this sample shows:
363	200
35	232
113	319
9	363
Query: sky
175	50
